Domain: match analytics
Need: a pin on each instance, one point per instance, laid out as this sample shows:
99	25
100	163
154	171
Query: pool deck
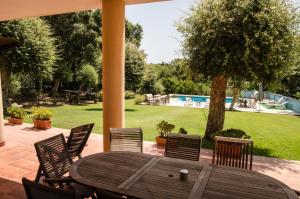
18	159
260	109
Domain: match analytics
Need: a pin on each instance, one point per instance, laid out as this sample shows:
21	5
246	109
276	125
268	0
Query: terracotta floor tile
18	159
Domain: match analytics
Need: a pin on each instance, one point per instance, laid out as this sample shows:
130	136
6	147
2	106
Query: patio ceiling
19	9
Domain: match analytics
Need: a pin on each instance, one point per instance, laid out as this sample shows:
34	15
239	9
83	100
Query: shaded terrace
18	158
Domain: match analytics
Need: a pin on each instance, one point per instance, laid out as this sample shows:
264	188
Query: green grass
273	135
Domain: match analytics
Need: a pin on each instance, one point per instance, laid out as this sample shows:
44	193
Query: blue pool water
197	98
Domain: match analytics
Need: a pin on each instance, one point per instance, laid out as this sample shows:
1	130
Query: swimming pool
196	98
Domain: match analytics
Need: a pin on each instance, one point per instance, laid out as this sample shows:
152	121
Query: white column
113	47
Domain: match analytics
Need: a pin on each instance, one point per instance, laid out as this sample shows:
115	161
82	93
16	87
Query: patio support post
2	141
113	48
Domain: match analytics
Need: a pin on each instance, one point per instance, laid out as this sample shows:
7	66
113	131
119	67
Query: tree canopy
88	77
238	39
35	57
249	39
134	66
37	50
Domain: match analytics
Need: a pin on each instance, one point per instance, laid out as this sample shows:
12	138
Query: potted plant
164	128
42	118
16	115
232	133
182	131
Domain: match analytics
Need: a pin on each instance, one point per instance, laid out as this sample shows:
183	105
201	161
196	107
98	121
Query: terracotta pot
15	121
161	141
42	124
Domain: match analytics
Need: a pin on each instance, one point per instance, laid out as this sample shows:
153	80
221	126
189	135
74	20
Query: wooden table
146	176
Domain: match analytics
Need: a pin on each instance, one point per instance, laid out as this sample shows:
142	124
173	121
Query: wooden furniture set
126	172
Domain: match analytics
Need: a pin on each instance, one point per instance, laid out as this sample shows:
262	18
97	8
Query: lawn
273	135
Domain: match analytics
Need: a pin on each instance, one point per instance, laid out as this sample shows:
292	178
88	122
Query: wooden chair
126	139
55	162
233	152
78	138
39	191
75	144
183	146
297	192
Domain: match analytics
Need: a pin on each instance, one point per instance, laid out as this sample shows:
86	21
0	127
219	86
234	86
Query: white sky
161	40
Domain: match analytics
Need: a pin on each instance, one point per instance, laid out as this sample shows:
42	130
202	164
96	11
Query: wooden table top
146	176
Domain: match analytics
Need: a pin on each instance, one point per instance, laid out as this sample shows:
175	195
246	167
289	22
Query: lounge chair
149	98
281	106
188	102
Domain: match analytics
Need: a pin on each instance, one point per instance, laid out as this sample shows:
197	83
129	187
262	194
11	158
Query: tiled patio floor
18	159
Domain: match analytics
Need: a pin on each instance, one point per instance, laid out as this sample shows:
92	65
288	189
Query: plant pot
42	124
15	121
160	141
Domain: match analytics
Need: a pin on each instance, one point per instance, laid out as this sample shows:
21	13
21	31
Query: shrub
182	131
159	88
16	112
41	114
14	86
298	95
139	99
187	87
87	76
129	95
234	133
170	85
164	128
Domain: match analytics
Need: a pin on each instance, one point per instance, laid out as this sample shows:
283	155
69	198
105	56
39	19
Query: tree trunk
40	91
55	89
216	113
235	97
79	93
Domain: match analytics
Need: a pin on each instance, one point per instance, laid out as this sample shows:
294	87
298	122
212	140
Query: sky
161	40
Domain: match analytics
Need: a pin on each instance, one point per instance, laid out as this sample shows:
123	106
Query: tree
87	77
170	84
134	66
79	40
235	38
36	54
149	80
134	33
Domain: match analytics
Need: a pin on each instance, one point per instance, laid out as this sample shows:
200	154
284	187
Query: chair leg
38	174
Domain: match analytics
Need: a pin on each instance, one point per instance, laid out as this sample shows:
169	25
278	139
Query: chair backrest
78	139
53	156
183	146
233	152
126	139
38	191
